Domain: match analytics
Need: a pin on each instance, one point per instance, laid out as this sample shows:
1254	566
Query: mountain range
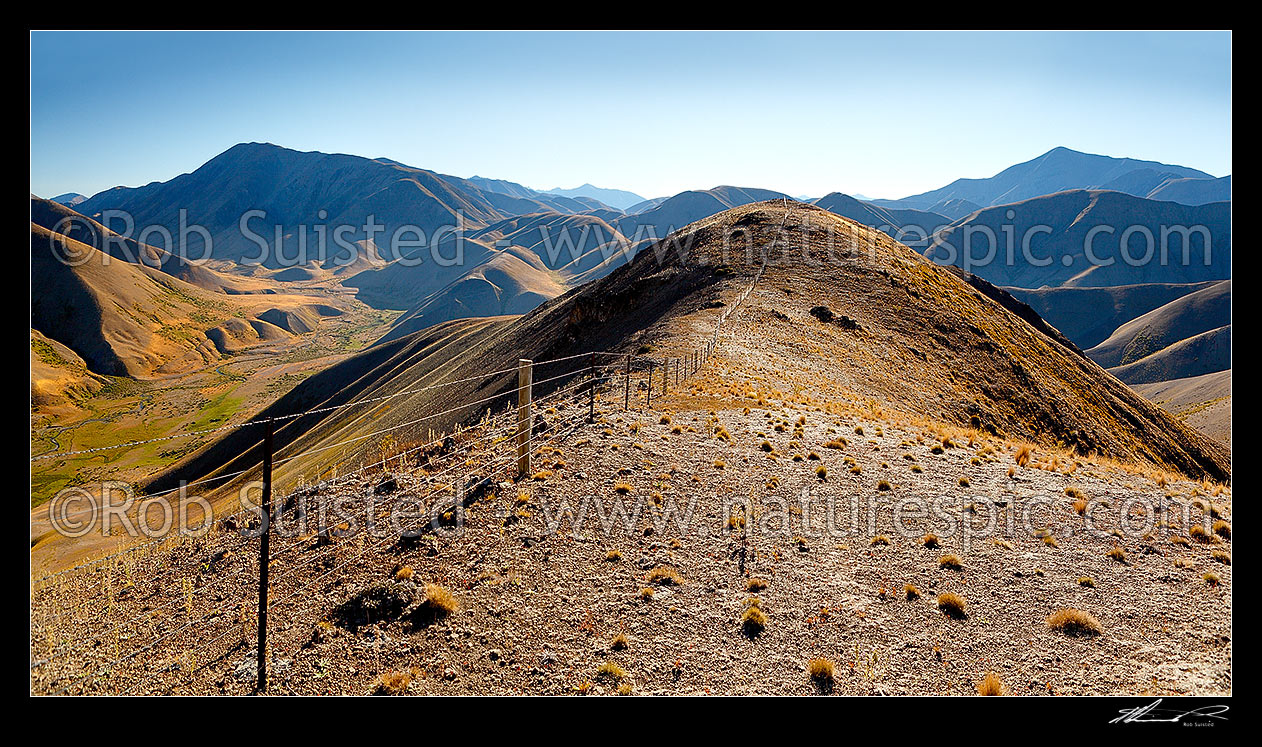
522	247
1062	169
618	198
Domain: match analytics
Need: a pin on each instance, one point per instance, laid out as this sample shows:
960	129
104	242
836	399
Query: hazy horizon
882	114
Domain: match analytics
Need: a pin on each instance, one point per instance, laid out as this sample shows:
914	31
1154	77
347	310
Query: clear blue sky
882	114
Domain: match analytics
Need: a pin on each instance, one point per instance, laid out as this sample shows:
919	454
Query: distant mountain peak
69	199
618	198
1057	170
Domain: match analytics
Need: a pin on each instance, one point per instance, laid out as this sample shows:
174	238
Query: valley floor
231	391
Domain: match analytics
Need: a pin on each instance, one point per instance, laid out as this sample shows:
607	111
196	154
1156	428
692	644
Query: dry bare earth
539	610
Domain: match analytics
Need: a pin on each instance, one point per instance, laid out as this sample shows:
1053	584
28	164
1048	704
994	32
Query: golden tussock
1074	622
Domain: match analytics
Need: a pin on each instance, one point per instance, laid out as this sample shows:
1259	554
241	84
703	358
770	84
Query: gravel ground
541	600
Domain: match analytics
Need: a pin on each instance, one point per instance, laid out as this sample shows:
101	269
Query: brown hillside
923	342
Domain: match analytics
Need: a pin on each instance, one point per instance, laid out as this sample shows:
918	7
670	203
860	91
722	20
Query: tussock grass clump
646	594
822	672
911	592
396	682
1212	579
1198	533
664	420
611	672
1222	556
1086	581
753	619
766	446
1222	529
991	685
963	482
1050	541
1080	506
404	574
917	469
541	475
664	575
953	605
836	443
613	556
951	561
438	602
884	486
1022	457
1116	553
880	539
1074	622
821	472
930	540
623	488
619	642
755	585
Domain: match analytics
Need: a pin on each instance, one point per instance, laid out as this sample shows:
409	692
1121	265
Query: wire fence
111	624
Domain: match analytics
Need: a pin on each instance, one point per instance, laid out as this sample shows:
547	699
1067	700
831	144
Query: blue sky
882	114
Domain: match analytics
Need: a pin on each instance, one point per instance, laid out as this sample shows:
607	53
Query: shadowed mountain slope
1193	191
505	284
1060	227
121	319
911	227
61	219
1089	315
305	189
1201	311
1208	352
1163	185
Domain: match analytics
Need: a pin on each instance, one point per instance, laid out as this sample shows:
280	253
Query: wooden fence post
525	383
264	553
591	393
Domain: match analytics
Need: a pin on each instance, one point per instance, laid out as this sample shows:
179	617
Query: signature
1151	714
